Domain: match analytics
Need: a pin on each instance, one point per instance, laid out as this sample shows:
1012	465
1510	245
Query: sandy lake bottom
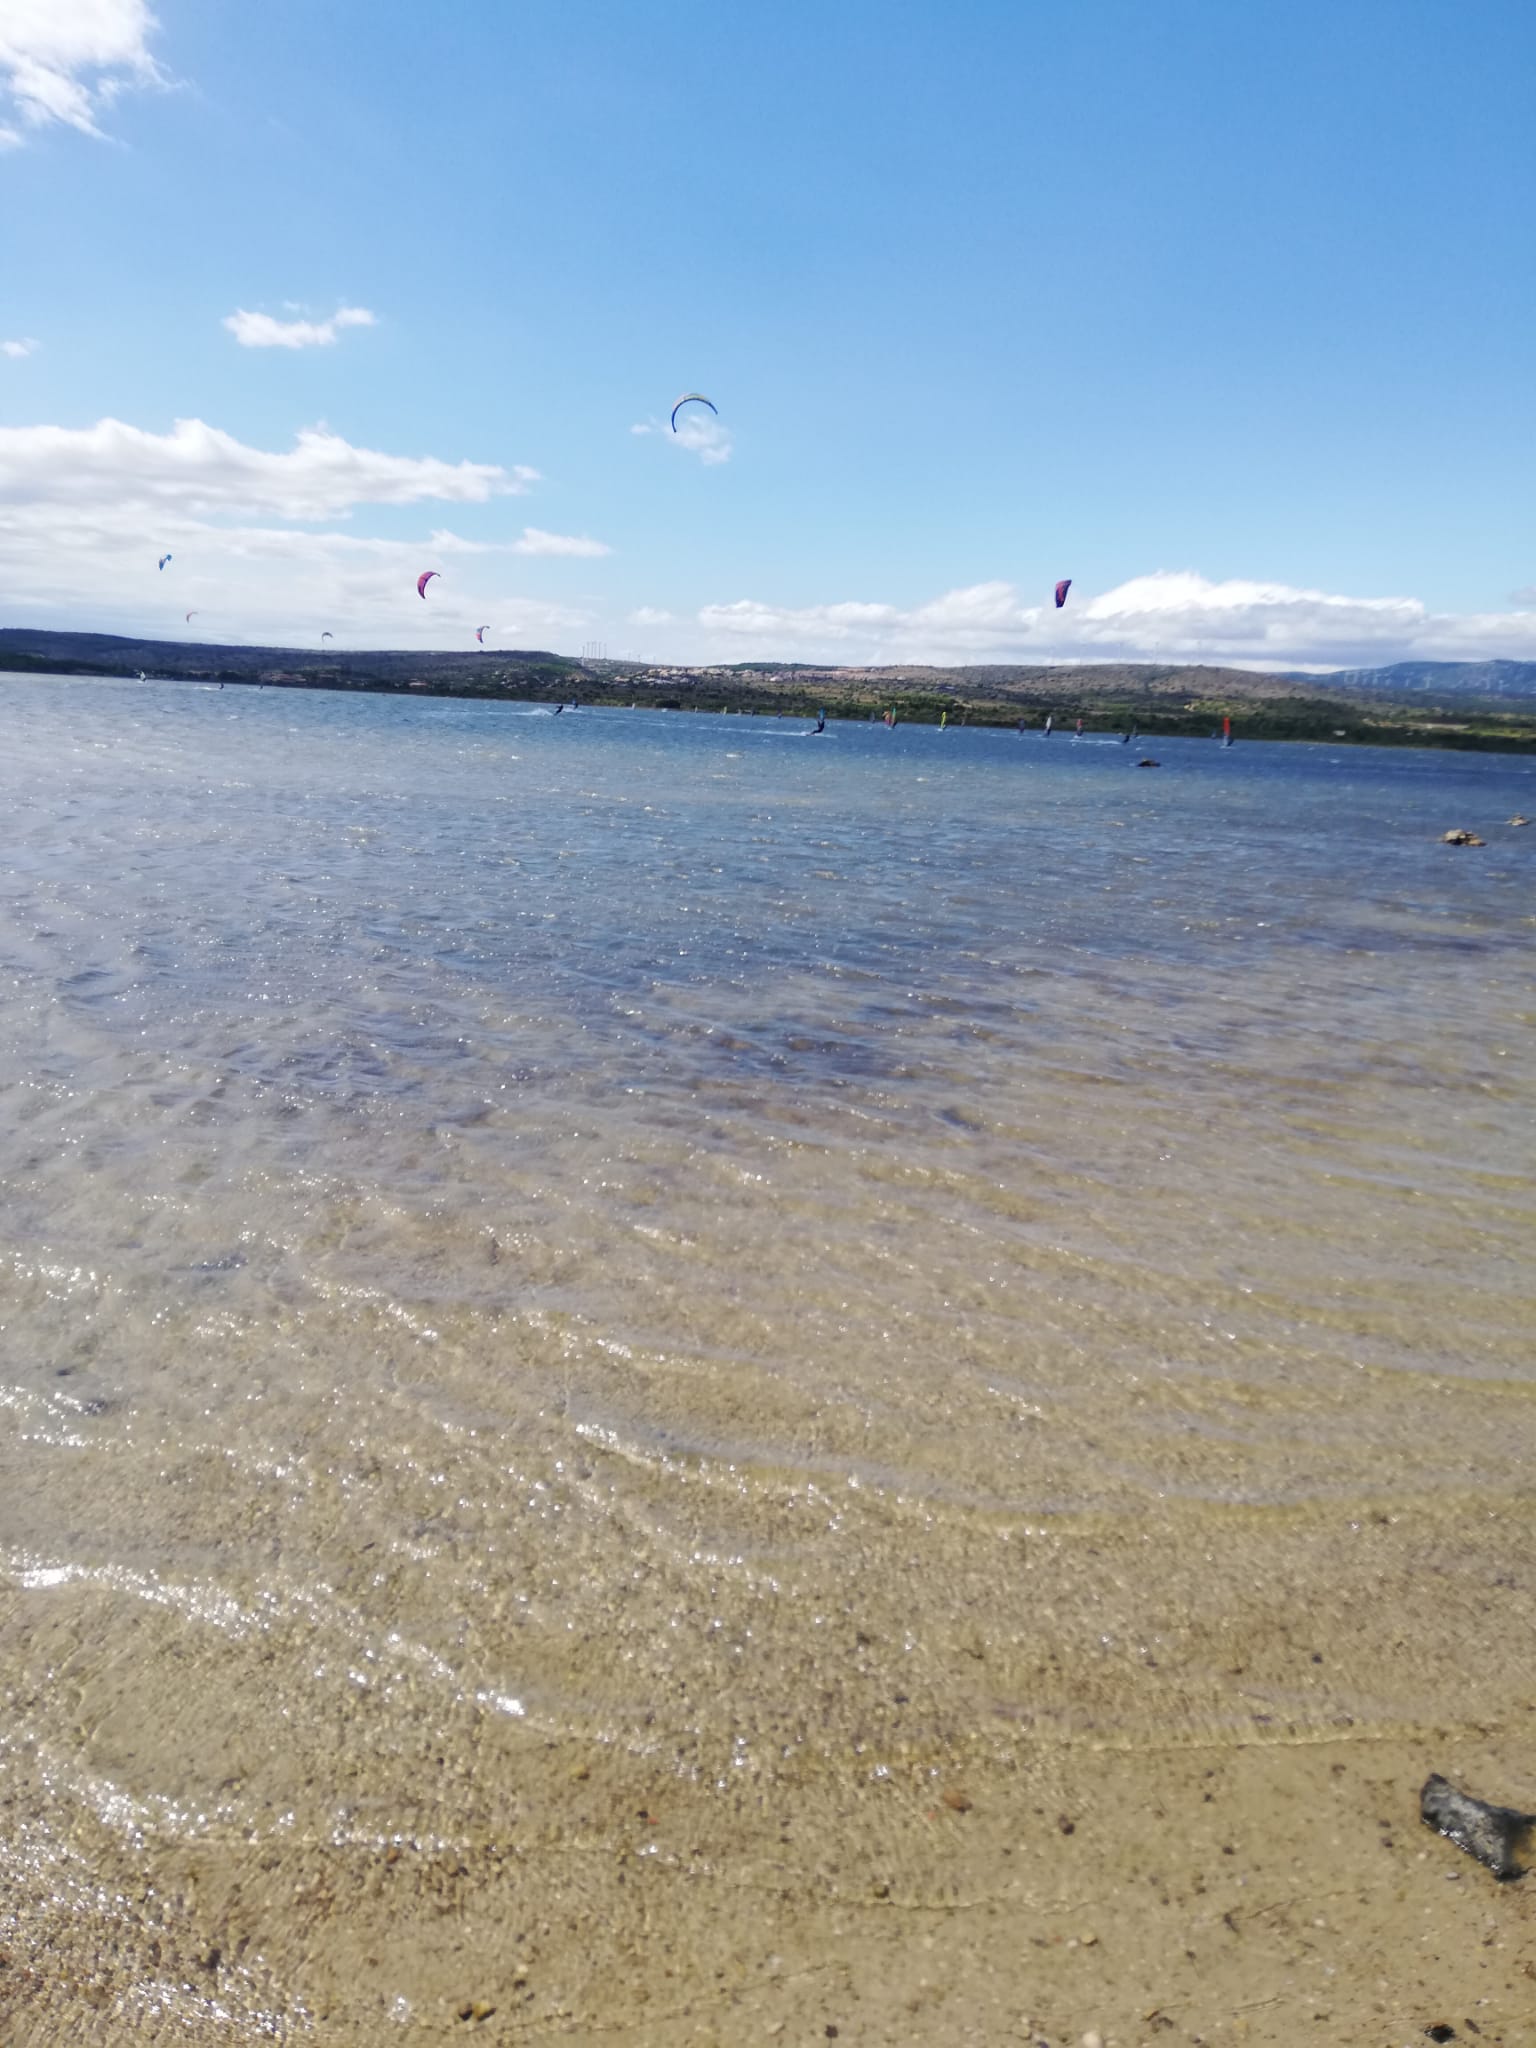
663	1382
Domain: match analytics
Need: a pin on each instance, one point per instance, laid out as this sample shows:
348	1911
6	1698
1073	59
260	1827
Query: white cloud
705	438
85	515
203	471
532	541
93	569
536	542
1159	617
67	60
650	615
260	330
18	348
694	435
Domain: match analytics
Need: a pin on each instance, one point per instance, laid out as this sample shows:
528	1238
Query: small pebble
1093	2039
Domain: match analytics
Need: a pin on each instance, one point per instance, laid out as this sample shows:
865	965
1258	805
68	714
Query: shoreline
844	695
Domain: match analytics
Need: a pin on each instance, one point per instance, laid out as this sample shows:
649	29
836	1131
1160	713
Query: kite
327	636
424	579
693	398
480	633
1061	592
190	617
163	560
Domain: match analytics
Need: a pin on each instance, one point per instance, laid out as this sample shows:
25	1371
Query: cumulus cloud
18	348
536	542
92	568
204	471
1178	616
695	435
260	330
86	513
66	61
705	438
650	615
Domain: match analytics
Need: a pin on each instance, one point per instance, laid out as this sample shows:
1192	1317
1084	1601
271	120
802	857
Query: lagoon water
673	1377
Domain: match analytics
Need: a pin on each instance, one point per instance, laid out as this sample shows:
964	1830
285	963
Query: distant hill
1442	678
1489	704
502	672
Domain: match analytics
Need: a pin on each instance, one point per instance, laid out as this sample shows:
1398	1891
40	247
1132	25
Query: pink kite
424	579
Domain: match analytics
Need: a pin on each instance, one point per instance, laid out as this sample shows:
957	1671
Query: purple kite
1061	592
424	579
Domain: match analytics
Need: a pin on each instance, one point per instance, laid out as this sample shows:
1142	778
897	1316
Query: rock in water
1495	1835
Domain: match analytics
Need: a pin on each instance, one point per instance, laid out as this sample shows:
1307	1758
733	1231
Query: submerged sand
953	1490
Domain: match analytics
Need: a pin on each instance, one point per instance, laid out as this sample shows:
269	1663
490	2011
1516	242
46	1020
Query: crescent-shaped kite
162	562
424	579
190	617
693	398
327	636
1061	591
480	633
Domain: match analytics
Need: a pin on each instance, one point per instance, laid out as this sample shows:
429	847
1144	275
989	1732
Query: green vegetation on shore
1154	700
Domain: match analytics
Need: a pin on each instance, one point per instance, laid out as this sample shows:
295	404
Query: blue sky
1226	311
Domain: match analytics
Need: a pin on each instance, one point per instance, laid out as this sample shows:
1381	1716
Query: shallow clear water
518	1231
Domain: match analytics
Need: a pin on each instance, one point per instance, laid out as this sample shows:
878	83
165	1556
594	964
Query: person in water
821	723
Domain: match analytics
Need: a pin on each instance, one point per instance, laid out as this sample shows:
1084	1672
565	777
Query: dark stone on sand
1495	1835
1149	763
